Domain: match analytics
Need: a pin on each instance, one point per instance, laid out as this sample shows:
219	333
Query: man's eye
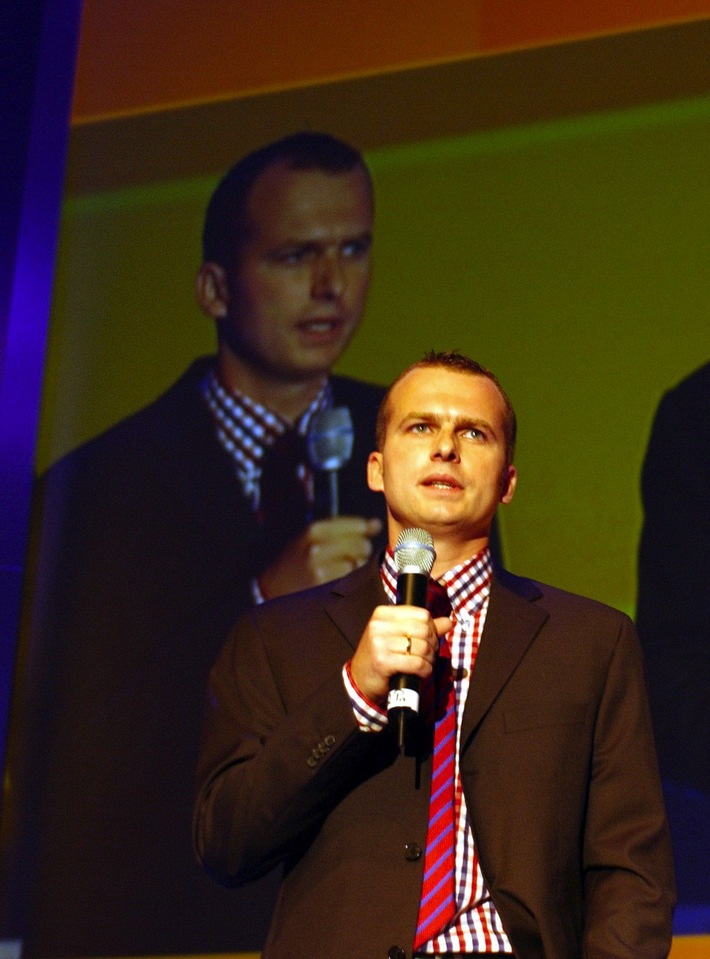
290	257
356	249
293	255
419	428
474	433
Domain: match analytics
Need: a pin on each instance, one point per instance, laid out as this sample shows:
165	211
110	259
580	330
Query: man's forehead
442	392
285	180
286	203
433	382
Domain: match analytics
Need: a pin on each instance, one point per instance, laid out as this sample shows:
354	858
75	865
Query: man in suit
154	536
673	621
557	843
673	608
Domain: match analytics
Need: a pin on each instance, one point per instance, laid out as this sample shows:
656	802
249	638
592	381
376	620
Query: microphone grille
330	438
414	551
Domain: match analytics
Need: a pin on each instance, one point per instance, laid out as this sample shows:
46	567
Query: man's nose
446	445
329	280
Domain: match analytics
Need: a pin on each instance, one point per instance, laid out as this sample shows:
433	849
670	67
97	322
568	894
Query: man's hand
326	550
397	639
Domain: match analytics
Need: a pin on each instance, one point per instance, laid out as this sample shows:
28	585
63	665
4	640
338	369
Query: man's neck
287	398
448	556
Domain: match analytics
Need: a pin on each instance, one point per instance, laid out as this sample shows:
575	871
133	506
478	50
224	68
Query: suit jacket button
412	851
396	952
330	741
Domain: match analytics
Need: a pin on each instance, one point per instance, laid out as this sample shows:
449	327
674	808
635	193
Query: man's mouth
442	482
320	327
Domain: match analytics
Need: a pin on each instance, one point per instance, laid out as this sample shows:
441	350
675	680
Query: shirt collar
467	585
245	428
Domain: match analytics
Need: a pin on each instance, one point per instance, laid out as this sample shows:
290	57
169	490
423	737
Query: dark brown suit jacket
146	550
558	769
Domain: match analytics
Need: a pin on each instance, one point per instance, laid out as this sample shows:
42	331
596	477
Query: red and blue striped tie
438	902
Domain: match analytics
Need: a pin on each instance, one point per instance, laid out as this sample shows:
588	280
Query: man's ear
375	477
212	290
509	481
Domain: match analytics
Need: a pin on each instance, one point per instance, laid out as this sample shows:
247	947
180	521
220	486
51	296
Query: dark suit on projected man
561	844
151	539
165	553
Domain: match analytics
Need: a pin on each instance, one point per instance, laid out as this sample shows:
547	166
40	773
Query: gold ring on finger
409	644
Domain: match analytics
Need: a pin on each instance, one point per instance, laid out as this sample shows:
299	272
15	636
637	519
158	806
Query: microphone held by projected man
414	558
332	544
330	446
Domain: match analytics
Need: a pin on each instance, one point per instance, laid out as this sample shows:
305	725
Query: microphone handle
326	490
333	489
412	589
403	699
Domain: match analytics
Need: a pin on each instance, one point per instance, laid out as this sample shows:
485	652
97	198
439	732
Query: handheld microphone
414	558
330	445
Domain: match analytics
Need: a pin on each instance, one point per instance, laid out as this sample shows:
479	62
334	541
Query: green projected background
571	257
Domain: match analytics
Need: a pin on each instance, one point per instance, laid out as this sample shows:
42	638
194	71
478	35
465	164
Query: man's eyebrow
459	421
294	241
415	415
318	243
467	422
364	237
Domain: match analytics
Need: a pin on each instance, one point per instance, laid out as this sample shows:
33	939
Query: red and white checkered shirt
246	428
476	926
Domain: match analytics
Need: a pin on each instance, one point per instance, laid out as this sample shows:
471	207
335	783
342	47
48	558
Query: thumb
443	625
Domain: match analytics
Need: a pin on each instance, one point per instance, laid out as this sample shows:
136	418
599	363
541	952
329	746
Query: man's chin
295	370
305	372
312	363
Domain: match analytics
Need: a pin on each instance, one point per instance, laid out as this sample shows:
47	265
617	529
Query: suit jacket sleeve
281	746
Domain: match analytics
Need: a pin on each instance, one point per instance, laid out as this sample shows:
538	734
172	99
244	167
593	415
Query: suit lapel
353	599
512	622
